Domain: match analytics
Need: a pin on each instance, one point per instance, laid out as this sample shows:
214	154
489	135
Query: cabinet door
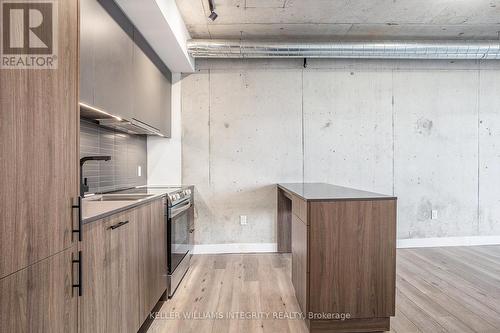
95	249
110	275
89	10
123	286
299	262
165	107
113	58
353	257
152	256
39	130
40	298
148	90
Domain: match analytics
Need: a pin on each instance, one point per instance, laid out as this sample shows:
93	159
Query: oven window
180	239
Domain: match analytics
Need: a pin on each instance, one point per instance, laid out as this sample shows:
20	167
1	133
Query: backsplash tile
127	153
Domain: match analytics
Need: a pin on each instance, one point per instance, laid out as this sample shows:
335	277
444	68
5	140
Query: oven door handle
179	210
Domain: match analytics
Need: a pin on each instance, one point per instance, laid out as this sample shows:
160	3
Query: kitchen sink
121	197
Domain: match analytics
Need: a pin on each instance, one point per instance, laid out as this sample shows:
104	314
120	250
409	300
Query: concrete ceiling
344	19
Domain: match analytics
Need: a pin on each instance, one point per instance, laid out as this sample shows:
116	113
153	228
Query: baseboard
401	244
447	241
235	248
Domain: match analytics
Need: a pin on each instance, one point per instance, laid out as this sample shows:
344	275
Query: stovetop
175	194
151	190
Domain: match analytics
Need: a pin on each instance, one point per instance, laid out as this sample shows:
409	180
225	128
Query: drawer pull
119	224
78	206
79	284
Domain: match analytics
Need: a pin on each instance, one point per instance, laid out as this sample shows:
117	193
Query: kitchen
241	166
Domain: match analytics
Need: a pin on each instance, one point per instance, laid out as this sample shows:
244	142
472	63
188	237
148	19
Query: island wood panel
353	253
300	272
39	133
40	298
284	222
110	275
152	256
299	208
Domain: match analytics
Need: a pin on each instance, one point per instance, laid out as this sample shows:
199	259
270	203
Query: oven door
179	236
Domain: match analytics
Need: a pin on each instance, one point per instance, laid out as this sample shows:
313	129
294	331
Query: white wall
427	132
164	154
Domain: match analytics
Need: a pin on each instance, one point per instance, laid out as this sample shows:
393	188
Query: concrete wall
164	154
427	132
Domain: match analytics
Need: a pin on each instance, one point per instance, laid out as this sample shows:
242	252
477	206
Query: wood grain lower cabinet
110	275
152	256
41	298
124	269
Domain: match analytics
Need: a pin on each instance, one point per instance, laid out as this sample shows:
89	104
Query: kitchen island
343	245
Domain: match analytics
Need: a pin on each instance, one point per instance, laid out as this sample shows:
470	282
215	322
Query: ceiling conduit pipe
401	49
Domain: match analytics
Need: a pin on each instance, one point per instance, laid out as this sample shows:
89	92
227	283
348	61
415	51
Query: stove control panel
179	195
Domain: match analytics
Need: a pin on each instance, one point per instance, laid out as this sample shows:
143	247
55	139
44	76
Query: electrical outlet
243	219
139	171
434	214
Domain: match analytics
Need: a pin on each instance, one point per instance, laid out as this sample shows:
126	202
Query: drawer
299	208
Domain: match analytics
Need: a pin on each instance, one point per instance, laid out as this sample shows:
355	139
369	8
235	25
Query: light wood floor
438	290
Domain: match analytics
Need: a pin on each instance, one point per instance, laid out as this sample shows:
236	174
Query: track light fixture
213	15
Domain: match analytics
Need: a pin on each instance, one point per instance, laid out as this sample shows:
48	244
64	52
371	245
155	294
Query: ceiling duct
409	49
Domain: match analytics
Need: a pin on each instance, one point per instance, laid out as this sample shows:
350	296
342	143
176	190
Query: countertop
328	192
93	210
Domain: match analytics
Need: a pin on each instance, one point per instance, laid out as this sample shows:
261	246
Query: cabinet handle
119	224
79	207
79	262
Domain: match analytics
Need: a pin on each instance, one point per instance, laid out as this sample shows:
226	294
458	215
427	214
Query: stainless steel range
179	218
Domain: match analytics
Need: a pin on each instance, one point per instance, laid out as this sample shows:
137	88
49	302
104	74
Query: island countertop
328	192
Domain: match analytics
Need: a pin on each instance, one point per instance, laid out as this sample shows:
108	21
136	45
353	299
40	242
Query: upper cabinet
113	56
152	93
116	75
106	53
88	17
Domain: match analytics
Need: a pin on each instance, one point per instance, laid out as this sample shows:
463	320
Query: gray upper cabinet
152	94
113	59
106	55
88	9
116	75
166	106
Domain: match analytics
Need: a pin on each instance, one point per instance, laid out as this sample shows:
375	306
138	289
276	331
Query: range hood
103	118
132	126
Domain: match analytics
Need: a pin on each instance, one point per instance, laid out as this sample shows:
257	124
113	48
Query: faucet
83	181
